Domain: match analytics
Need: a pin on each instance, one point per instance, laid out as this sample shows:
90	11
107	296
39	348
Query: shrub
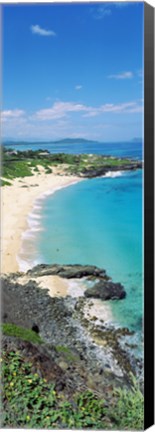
21	333
29	401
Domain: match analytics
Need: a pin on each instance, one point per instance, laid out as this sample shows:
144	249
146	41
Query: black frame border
148	216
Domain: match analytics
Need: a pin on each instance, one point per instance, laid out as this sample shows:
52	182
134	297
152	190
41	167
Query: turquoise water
123	149
99	221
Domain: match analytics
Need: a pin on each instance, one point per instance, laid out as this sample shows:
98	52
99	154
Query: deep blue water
133	149
98	221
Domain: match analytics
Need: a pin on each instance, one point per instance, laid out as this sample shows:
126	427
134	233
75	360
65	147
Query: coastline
18	210
56	304
17	203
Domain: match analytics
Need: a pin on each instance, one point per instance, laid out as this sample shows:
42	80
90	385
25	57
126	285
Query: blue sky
73	70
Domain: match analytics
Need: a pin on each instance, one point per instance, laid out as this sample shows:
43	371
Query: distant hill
74	140
61	141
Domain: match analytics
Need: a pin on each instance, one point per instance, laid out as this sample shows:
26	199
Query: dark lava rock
94	172
35	328
65	336
102	170
67	271
106	291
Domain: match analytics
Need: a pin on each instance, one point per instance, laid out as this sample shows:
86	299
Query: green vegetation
12	169
23	168
127	410
32	402
24	163
67	353
5	183
21	333
63	349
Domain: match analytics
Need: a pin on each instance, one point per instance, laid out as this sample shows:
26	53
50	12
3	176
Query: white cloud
12	114
36	29
100	12
64	119
62	109
128	107
59	110
78	87
122	75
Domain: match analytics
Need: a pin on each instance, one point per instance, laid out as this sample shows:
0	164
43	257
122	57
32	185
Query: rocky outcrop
60	325
103	289
68	271
101	171
85	349
106	291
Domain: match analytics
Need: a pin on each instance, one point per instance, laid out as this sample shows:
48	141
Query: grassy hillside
25	163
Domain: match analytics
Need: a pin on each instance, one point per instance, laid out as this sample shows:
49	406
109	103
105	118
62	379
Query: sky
72	70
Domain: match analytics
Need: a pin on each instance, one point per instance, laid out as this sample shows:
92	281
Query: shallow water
97	221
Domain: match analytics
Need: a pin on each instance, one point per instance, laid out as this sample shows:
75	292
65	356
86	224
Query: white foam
113	174
27	235
34	226
34	215
32	222
51	191
34	229
76	288
25	265
37	207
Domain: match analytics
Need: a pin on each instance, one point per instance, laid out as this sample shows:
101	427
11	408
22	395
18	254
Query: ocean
127	149
97	221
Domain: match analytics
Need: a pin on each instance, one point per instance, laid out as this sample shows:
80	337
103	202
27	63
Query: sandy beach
17	202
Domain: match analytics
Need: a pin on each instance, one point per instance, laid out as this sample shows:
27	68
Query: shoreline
17	212
17	209
18	201
33	225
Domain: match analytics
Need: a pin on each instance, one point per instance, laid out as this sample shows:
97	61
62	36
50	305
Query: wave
25	265
76	288
25	261
113	174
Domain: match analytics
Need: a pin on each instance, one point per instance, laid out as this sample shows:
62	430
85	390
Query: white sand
57	286
17	201
99	309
